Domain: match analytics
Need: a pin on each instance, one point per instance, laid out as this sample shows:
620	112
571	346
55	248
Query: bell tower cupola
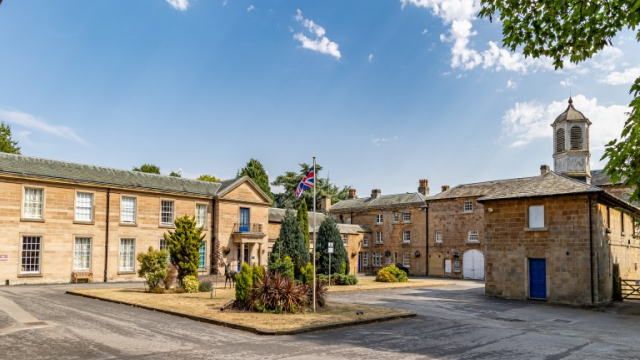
571	144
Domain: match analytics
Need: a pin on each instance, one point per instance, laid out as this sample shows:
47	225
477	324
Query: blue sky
383	93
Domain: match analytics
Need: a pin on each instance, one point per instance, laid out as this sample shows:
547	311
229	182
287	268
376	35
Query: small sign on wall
4	257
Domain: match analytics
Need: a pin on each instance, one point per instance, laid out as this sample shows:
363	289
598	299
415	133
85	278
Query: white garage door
473	264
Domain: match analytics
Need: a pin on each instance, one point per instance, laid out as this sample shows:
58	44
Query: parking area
453	322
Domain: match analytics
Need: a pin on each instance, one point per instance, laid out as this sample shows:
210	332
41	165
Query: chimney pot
352	194
445	188
544	169
375	193
423	186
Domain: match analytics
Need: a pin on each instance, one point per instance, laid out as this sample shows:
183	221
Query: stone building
353	236
59	218
398	226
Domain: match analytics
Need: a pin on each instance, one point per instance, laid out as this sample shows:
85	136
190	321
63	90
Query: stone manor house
561	236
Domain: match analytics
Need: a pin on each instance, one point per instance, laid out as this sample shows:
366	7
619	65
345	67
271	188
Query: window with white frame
377	259
406	259
468	207
82	254
165	246
365	259
536	216
201	215
379	237
439	237
406	236
166	212
396	217
395	257
30	255
406	217
128	210
345	239
379	219
84	206
33	203
473	236
127	254
365	241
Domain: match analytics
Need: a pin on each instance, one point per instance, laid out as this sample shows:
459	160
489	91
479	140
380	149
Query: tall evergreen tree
205	177
290	243
184	246
290	180
303	219
148	168
329	232
7	145
257	173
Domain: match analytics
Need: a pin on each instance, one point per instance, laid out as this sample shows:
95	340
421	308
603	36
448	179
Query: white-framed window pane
365	259
127	254
473	236
536	216
468	206
379	219
379	237
365	241
30	255
438	236
396	217
82	254
201	215
345	239
406	217
128	210
166	212
165	246
406	236
84	206
33	203
406	259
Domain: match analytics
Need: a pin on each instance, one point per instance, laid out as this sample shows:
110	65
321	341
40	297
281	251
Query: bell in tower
571	144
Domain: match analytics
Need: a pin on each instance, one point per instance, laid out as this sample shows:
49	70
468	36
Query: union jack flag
306	183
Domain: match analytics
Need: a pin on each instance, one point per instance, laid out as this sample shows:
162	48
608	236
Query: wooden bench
82	275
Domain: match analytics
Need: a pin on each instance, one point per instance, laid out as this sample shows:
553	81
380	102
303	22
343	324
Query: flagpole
315	176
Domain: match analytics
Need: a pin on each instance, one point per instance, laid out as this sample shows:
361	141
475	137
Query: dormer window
576	138
560	140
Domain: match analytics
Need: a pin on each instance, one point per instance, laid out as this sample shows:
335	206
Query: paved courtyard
453	322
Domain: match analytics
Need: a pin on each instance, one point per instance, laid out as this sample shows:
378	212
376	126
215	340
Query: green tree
303	219
7	145
148	168
575	30
244	283
153	267
290	180
256	172
210	178
290	243
329	232
175	174
184	246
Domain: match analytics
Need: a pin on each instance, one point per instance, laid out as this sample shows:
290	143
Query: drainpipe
106	236
426	212
214	250
591	253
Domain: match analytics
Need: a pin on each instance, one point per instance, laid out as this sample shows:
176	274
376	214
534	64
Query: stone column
241	260
259	254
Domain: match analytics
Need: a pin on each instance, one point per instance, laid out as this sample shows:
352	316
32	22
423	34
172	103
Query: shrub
190	284
277	293
306	273
184	246
391	274
257	273
205	286
321	293
153	267
243	286
340	279
157	290
172	275
282	266
385	276
344	268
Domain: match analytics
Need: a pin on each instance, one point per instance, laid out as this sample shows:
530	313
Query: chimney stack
325	204
445	188
423	187
352	194
375	193
544	169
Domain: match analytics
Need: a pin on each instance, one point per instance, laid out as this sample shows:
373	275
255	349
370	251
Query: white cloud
321	43
626	77
224	2
33	123
566	82
181	5
511	84
380	141
531	120
424	31
370	57
250	8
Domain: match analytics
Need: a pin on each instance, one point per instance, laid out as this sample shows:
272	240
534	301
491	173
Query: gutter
214	249
106	236
426	211
591	251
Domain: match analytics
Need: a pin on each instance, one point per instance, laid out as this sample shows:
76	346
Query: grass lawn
370	283
201	305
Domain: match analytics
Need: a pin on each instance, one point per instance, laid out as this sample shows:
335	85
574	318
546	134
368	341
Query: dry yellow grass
200	304
365	284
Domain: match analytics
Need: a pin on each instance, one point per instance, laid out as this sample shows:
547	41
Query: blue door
537	278
359	262
245	258
244	220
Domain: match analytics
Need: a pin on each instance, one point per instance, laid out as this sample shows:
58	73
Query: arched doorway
473	265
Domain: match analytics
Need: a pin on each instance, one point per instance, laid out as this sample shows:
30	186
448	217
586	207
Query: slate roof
600	178
384	201
471	190
276	215
90	174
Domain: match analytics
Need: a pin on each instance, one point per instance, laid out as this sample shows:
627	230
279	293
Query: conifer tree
329	232
258	174
303	218
184	246
290	243
7	145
